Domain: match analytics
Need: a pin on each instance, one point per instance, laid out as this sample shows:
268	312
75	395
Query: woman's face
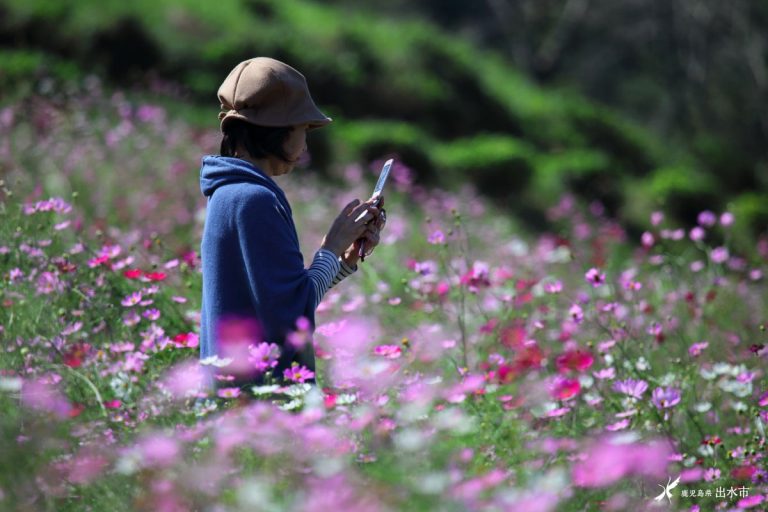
296	144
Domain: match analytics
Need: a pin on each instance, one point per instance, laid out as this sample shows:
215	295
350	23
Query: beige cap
267	92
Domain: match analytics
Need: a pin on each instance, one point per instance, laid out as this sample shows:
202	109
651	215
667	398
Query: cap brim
314	122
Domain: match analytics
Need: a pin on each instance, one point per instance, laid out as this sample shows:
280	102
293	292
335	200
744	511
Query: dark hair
258	141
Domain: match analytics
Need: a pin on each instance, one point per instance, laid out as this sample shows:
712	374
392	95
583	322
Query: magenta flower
707	218
594	277
158	450
228	392
605	373
151	314
619	425
563	388
131	318
726	219
436	238
131	300
647	239
657	218
631	387
664	398
553	287
49	283
719	255
388	351
263	356
697	234
42	395
751	501
576	313
697	348
608	461
298	373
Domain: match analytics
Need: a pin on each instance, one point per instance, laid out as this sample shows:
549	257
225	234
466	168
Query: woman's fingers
351	206
364	213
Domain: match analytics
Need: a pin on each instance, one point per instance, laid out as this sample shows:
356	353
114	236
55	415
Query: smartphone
379	186
376	196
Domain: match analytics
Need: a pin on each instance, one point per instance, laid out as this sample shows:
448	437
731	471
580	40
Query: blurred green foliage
452	111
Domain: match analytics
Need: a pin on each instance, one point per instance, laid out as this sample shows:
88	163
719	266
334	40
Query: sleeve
280	287
344	272
324	269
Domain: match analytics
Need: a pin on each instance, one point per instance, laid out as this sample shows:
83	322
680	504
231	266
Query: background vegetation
637	105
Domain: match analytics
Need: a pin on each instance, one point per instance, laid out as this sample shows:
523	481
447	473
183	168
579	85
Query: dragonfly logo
666	492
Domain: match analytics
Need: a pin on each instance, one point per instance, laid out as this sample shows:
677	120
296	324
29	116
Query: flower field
468	365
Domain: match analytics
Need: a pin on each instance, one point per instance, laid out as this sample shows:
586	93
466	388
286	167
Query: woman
255	286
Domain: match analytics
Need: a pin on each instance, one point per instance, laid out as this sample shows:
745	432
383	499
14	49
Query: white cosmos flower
216	361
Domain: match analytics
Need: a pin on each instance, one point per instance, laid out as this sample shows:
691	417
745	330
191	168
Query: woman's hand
370	238
351	225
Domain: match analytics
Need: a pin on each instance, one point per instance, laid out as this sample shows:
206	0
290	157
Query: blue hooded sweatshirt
251	262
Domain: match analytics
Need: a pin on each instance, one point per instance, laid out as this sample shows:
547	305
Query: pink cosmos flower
42	395
576	360
228	392
751	501
388	351
235	336
665	398
86	467
726	219
298	373
184	379
556	413
656	218
563	388
477	277
131	318
631	387
186	340
263	356
707	218
16	275
719	255
131	299
49	283
619	425
697	348
72	328
647	240
605	373
151	314
436	237
697	234
158	450
609	460
576	313
553	287
594	277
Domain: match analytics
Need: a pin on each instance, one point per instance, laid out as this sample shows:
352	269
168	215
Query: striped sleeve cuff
324	268
344	272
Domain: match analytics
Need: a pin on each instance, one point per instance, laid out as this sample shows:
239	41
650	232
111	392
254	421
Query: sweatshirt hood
217	171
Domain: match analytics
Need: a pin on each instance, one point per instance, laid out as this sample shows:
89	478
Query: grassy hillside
452	112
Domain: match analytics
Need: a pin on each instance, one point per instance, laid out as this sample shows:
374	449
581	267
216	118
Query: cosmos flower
631	387
665	398
298	373
594	277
